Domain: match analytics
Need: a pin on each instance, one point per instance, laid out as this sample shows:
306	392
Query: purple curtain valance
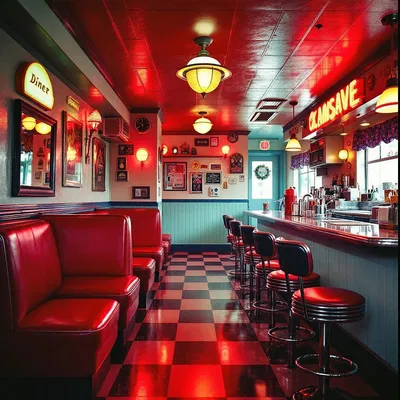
372	137
300	160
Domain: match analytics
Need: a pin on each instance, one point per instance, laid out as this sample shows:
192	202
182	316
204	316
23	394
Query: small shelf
190	156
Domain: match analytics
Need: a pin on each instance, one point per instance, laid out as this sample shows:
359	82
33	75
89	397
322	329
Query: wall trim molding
11	212
205	201
134	204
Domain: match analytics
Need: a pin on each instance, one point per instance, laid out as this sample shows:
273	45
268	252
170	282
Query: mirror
33	169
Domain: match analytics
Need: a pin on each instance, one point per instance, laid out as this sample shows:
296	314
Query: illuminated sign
264	145
73	103
34	82
345	100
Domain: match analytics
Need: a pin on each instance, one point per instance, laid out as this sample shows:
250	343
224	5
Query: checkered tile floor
199	339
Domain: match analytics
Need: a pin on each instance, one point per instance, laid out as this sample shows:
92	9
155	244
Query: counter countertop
351	231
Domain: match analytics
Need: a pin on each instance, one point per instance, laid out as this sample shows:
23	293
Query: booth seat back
146	225
30	271
93	244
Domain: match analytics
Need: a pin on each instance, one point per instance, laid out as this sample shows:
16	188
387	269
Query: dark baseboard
380	376
199	248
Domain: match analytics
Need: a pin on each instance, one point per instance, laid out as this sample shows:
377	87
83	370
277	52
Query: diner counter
355	232
352	255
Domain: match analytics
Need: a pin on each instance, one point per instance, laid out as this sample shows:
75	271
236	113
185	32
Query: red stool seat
273	263
330	297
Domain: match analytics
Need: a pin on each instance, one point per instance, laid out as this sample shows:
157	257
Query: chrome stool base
315	393
352	365
266	306
282	333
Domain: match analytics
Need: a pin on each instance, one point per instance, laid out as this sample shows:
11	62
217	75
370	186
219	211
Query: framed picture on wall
140	192
98	165
214	142
121	176
196	182
72	134
121	163
175	176
125	149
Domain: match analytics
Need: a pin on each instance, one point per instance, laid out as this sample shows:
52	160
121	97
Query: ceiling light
203	73
29	123
388	101
365	123
343	133
202	125
293	144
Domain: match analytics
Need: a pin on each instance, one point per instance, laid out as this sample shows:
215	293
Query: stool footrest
282	333
307	357
314	393
266	306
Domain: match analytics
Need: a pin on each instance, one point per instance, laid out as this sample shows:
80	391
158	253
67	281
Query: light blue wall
199	222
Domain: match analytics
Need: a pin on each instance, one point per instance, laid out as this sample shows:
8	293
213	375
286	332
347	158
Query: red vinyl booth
42	335
146	233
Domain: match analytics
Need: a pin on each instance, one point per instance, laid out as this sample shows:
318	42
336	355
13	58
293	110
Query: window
261	189
378	167
304	179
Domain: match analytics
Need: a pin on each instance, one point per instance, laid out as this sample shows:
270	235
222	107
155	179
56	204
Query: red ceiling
272	48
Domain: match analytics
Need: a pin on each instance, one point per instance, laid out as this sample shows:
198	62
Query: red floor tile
242	353
196	332
151	353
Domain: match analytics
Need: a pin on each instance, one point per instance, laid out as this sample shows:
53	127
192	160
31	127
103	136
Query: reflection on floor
199	339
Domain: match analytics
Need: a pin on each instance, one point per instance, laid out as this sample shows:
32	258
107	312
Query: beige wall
12	55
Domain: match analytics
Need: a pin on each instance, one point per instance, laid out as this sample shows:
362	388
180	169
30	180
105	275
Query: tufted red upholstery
40	335
91	237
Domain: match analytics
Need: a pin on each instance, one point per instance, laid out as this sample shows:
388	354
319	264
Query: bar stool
323	305
229	238
238	246
251	257
282	282
264	243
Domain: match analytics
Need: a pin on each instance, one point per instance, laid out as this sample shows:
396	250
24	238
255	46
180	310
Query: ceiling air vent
262	117
270	104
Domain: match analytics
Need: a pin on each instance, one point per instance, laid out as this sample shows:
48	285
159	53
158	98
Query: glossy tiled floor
199	339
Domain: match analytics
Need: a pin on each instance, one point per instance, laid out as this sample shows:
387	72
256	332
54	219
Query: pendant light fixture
388	101
293	144
203	73
202	125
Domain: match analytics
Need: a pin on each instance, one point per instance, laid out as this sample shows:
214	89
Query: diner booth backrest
88	252
145	224
29	274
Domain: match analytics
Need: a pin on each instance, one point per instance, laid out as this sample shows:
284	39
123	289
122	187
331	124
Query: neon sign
345	100
34	82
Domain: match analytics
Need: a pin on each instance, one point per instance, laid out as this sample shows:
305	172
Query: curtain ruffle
300	160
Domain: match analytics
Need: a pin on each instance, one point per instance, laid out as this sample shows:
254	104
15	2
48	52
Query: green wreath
262	172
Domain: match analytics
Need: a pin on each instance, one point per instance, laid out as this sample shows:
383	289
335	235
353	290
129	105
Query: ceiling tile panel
271	46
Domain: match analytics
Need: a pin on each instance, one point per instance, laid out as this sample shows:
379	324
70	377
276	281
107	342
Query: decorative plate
142	125
233	137
195	165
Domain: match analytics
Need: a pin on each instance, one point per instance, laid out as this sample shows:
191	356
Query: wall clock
232	137
142	125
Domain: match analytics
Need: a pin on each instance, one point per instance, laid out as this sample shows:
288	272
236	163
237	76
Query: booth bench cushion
167	237
145	269
157	253
124	289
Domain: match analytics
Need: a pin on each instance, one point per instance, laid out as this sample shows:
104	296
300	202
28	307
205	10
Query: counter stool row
285	267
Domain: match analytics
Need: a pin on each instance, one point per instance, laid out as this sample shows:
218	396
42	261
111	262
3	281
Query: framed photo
72	135
202	142
213	178
98	165
175	176
140	192
121	176
215	167
121	163
196	182
125	149
214	142
236	164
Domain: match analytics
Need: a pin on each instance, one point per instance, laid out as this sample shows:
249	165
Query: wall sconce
343	154
43	128
94	120
164	149
225	150
142	155
174	150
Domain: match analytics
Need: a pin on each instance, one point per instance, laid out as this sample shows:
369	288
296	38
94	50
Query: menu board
196	182
213	177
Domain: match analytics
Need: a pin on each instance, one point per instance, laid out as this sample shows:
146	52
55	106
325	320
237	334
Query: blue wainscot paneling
195	223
